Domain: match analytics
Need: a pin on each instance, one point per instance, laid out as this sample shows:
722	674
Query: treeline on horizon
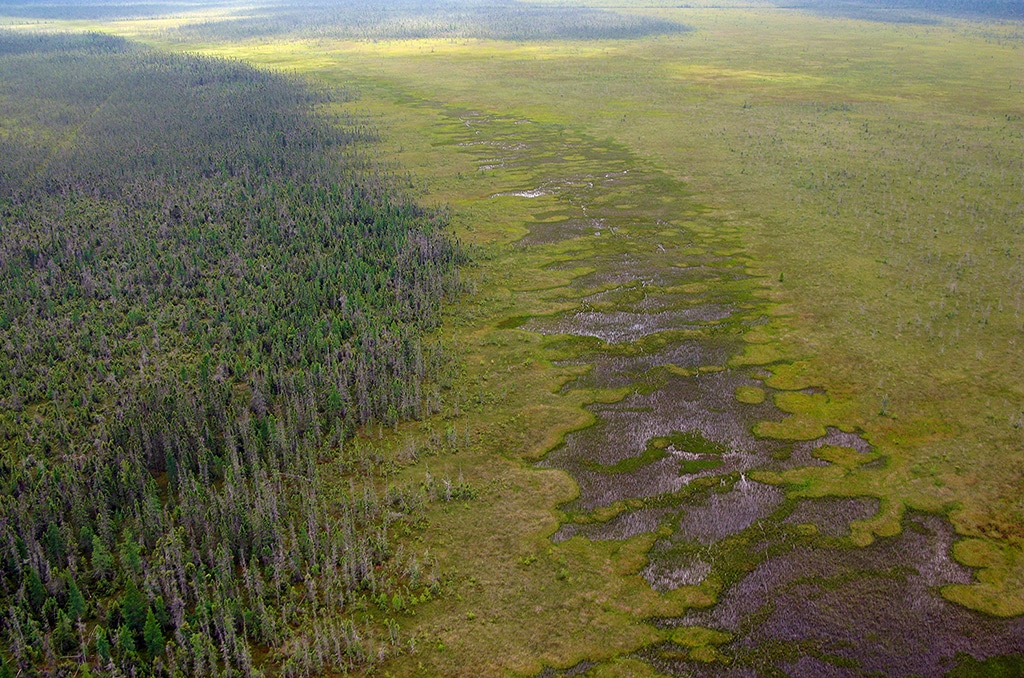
206	287
460	19
917	11
93	10
416	19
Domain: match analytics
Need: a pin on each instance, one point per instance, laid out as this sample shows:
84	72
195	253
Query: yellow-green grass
873	174
520	602
751	395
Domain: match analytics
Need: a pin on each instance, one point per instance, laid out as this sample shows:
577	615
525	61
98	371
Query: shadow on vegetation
206	286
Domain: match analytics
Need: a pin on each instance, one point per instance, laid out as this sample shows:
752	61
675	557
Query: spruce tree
76	601
134	608
153	635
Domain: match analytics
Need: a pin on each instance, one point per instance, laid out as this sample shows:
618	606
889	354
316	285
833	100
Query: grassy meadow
867	181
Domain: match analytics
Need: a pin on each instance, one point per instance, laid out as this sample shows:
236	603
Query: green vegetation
629	464
207	287
852	189
691	441
993	667
750	395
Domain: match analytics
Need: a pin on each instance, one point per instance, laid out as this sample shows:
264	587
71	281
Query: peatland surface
734	383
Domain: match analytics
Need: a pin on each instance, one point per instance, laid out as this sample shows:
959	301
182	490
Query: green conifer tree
64	638
102	560
76	601
153	635
133	608
102	644
35	589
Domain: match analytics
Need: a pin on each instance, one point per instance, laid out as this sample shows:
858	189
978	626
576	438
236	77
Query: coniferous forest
207	284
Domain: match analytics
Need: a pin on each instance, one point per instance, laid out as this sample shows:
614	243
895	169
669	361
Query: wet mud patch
575	189
571	672
833	516
618	370
723	515
804	453
624	326
549	232
875	610
627	269
623	526
645	298
812	667
664	575
837	438
703	404
673	660
599	489
527	193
